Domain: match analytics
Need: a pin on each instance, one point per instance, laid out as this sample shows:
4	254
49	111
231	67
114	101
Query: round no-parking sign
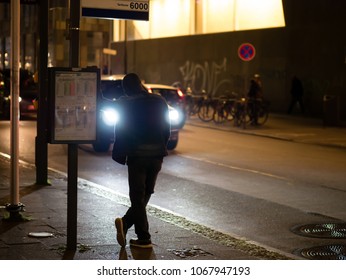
246	51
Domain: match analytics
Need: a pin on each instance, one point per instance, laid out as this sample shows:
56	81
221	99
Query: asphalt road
249	187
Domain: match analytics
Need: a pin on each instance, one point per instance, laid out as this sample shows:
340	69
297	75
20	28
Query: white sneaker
121	237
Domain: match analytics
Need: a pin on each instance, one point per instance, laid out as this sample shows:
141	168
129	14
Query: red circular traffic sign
246	51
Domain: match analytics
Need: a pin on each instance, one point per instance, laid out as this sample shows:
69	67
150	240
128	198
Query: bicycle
251	111
241	114
224	110
207	110
193	104
258	110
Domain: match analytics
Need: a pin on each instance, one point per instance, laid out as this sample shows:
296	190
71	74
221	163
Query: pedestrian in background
259	93
297	92
255	96
141	136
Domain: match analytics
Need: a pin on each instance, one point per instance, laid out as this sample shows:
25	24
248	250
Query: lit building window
216	16
254	14
168	18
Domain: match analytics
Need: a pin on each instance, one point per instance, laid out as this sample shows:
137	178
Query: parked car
111	90
27	95
174	97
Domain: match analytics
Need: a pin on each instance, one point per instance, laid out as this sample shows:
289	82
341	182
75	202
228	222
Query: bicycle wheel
262	115
241	120
220	115
206	112
240	112
247	117
231	110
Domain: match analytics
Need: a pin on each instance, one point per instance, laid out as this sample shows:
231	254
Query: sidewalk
174	237
289	128
46	207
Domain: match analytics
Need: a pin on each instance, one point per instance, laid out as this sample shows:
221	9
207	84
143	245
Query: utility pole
14	207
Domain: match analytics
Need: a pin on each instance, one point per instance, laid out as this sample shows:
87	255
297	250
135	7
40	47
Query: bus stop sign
116	9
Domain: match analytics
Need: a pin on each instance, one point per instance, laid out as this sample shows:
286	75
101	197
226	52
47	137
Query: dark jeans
142	174
253	106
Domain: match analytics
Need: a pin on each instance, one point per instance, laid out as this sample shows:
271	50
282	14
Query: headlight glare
110	116
173	115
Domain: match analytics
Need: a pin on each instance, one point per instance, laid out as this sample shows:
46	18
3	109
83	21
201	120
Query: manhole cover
327	252
327	230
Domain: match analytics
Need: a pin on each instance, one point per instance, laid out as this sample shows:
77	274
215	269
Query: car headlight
174	116
109	116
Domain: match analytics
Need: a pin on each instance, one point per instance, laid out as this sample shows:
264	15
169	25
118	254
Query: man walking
297	92
141	136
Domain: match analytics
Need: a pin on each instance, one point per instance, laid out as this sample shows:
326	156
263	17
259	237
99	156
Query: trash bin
331	110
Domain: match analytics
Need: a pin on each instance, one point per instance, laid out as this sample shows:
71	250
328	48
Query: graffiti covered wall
209	64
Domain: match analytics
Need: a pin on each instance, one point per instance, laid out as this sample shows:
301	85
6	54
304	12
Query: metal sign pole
72	164
125	48
15	206
41	146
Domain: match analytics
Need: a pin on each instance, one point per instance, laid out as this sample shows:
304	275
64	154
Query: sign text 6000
139	6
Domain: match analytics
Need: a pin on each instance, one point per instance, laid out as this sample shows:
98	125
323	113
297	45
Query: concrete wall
312	46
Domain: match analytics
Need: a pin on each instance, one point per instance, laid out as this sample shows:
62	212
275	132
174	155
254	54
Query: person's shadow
137	254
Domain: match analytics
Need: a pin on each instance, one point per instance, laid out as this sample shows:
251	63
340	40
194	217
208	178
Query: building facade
311	46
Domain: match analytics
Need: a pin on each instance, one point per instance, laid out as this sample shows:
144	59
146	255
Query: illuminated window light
168	18
254	14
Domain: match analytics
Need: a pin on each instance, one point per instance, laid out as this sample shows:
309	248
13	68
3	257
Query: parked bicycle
251	111
207	110
193	104
242	111
241	114
224	110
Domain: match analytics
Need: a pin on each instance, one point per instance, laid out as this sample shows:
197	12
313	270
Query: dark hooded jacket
144	127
